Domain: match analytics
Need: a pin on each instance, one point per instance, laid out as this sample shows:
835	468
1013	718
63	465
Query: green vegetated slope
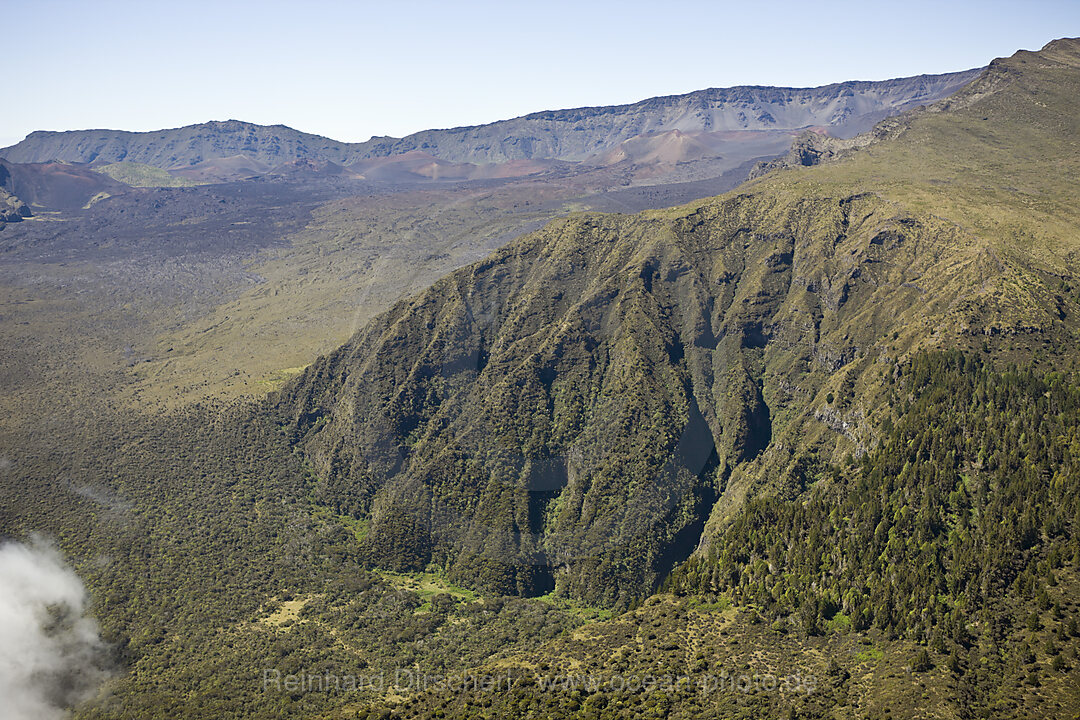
588	405
142	175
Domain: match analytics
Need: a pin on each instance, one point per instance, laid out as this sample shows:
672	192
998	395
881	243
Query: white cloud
51	655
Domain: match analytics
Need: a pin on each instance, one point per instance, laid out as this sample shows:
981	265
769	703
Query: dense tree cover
564	412
948	534
974	495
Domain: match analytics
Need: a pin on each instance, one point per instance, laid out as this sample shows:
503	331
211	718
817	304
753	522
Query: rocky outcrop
813	148
12	209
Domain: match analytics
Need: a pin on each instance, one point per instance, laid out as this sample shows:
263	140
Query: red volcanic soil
225	169
311	169
669	148
413	165
664	150
59	186
513	169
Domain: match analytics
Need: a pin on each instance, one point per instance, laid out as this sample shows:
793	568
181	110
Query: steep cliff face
575	135
570	410
586	406
846	108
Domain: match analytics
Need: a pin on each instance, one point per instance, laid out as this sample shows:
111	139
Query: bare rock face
812	148
12	209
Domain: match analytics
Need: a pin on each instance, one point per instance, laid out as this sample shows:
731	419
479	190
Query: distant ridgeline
572	135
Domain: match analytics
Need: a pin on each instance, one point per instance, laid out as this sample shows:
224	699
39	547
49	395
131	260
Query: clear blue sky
350	70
